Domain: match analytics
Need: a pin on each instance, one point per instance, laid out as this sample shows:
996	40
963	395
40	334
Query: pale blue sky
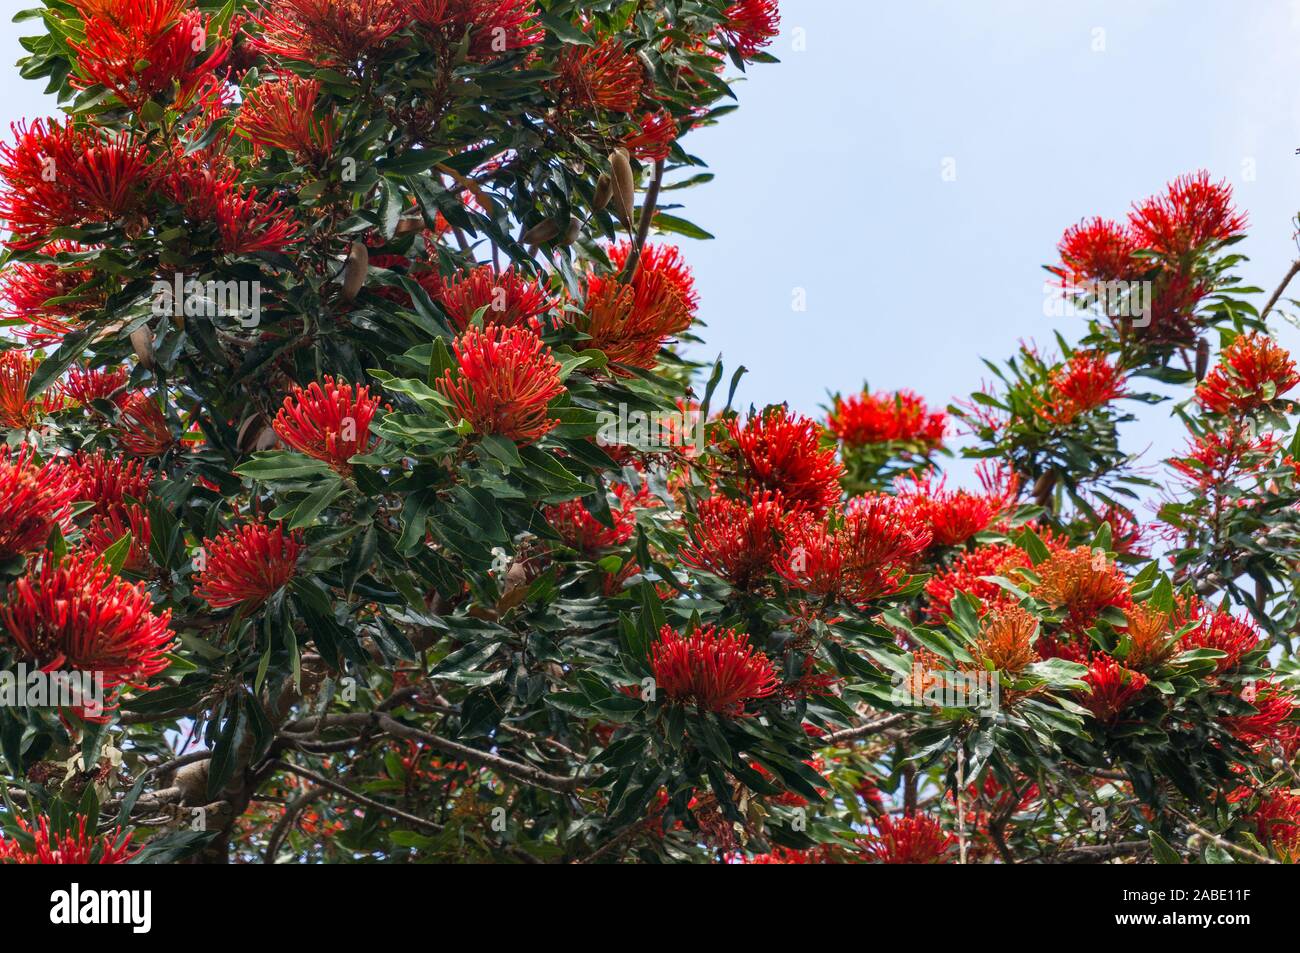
829	176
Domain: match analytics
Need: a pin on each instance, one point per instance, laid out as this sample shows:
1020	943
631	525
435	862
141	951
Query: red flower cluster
655	136
17	412
967	574
494	26
47	298
1278	821
863	556
1086	382
1192	214
143	428
1097	250
715	669
33	500
750	25
910	839
58	174
105	529
283	114
1223	631
327	32
737	540
507	298
78	615
247	565
1252	371
107	481
142	49
631	320
604	76
1272	716
901	417
581	530
1114	688
80	848
505	379
330	423
1083	583
85	385
782	452
954	516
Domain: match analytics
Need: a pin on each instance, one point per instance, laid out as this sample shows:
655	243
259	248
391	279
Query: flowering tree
352	455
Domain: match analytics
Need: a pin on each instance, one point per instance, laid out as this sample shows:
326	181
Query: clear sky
830	178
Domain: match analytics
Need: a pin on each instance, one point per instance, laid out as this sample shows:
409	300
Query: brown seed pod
142	344
571	233
620	166
192	779
1043	487
409	223
354	271
604	190
1202	358
544	231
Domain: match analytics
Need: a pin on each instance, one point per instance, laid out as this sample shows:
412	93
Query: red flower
1097	250
330	423
33	500
868	555
66	847
329	32
17	412
1273	710
1278	821
1083	583
107	528
583	532
655	137
910	839
1223	631
954	516
737	540
60	175
785	855
662	279
507	298
494	26
630	322
900	417
1221	456
751	25
85	385
966	574
1252	371
78	615
1192	212
782	452
247	224
715	669
283	114
47	297
247	565
1114	687
139	49
144	431
1086	382
505	380
108	481
605	76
